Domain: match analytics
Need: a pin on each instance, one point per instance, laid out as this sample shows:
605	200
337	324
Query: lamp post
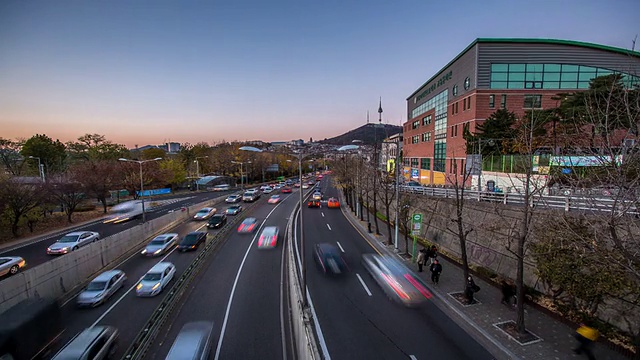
198	170
241	173
140	162
40	167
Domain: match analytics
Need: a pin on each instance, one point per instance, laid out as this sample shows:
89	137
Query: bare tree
10	156
97	178
387	195
68	192
19	198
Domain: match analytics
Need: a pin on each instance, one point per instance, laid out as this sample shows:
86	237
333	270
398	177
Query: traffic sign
416	224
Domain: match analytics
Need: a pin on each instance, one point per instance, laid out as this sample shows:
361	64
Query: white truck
126	211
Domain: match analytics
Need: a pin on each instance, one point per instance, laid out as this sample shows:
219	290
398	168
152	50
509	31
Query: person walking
432	254
586	336
421	259
470	289
508	292
436	269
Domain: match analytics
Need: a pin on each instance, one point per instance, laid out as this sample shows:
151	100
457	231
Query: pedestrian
421	259
508	292
436	269
470	289
586	336
432	254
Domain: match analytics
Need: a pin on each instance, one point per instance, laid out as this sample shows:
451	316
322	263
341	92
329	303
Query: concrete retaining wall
63	275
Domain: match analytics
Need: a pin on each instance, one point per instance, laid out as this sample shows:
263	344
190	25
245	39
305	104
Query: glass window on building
414	162
503	101
439	155
426	120
492	101
532	102
455	90
425	164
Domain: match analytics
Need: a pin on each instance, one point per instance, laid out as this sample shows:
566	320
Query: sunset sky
147	72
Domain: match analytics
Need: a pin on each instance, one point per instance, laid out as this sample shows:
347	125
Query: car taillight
273	241
260	240
240	227
418	286
395	286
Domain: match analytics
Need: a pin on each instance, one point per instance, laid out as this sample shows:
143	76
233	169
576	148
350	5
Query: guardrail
566	203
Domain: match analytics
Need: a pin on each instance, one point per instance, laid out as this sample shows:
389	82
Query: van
193	342
250	196
222	187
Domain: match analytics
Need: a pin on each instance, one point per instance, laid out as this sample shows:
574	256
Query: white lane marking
323	343
235	284
322	214
340	246
363	284
127	292
329	226
413	357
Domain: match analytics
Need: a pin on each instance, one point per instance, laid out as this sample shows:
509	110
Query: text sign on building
446	77
415	173
416	224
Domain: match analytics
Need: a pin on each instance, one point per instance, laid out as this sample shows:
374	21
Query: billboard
584	160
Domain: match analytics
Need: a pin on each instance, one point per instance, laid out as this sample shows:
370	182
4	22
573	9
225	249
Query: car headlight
155	286
65	249
139	286
157	251
144	251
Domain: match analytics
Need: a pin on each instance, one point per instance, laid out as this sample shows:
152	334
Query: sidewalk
556	339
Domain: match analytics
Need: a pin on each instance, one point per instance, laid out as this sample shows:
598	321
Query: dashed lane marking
340	246
329	226
363	284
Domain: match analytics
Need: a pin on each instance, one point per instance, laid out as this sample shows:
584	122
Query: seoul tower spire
380	111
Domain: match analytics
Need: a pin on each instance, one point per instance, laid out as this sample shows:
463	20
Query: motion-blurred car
194	341
101	288
160	244
248	225
10	265
231	199
274	199
305	186
296	185
222	187
192	241
396	280
72	241
329	259
286	190
314	204
204	213
217	221
269	237
97	342
317	195
234	210
156	279
333	203
267	189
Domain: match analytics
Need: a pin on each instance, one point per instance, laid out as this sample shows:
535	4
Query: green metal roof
529	41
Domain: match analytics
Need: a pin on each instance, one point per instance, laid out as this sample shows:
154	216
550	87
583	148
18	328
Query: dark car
329	259
217	221
192	240
313	203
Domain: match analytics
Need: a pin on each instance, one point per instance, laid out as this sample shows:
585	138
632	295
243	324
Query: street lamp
303	271
140	162
397	186
40	167
198	170
241	174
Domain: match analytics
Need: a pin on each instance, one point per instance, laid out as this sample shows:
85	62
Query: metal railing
566	203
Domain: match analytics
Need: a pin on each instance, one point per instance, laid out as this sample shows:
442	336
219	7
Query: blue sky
145	72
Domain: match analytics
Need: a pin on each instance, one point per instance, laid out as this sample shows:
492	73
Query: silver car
160	244
156	279
204	213
102	288
96	343
193	342
11	265
72	241
396	280
234	210
269	237
233	199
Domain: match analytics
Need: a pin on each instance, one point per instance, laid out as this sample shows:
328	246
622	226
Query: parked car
396	280
234	210
333	203
269	237
274	199
314	204
10	265
194	341
217	221
160	244
101	288
204	213
248	225
329	260
231	199
72	241
192	240
156	279
95	343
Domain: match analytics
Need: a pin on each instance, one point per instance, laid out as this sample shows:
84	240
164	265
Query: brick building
517	74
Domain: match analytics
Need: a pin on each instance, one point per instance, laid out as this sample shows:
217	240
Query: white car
72	241
161	244
233	199
204	213
156	279
11	265
267	190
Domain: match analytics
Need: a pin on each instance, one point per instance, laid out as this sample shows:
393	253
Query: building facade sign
446	77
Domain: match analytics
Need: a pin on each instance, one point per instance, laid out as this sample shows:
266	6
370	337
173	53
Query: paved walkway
556	338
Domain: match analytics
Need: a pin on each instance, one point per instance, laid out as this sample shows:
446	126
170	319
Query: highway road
34	252
127	312
356	318
240	291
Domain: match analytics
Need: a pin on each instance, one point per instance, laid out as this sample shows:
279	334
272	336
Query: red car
333	203
313	203
286	190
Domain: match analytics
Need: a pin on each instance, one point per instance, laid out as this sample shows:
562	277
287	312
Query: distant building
391	147
169	147
490	74
298	142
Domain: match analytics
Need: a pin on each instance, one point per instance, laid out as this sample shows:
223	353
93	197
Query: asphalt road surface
356	318
35	252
